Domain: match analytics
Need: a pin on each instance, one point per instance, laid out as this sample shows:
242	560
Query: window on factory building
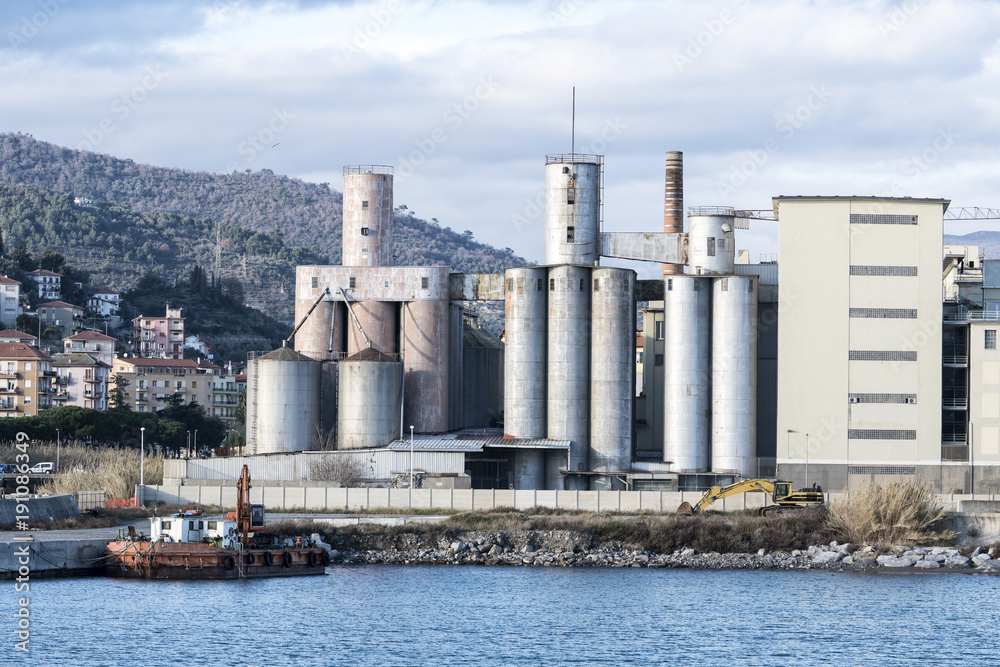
658	330
721	243
583	284
364	204
570	195
352	282
364	231
315	282
386	282
571	235
541	285
552	284
597	285
711	246
658	360
423	282
510	284
670	284
991	339
724	284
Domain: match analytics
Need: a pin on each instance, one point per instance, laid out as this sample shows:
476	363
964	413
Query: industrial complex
865	361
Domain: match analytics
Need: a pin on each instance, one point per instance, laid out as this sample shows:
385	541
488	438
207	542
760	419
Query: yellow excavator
781	493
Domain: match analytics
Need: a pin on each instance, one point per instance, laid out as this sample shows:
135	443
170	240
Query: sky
465	99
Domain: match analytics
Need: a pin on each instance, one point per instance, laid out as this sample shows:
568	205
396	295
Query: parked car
44	468
8	468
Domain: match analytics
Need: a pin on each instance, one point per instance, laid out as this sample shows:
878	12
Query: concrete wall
53	558
43	509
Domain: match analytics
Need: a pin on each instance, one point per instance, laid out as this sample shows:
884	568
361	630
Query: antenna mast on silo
572	133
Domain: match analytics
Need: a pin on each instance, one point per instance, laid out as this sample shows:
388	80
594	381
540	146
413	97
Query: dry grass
116	470
898	513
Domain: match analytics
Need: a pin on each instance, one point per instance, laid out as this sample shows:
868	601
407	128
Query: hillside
989	242
253	225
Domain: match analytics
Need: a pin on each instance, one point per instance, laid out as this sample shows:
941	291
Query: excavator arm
719	492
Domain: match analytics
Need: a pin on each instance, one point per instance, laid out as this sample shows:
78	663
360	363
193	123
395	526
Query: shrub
345	470
900	512
115	470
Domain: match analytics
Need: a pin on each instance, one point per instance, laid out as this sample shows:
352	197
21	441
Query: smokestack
673	203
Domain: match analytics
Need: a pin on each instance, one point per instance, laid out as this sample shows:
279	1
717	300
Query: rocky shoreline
573	549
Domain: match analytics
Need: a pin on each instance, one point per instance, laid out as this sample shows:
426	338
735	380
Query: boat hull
172	560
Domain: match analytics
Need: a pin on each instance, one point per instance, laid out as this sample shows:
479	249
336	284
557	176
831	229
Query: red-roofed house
49	283
94	343
10	301
25	380
105	302
159	337
14	336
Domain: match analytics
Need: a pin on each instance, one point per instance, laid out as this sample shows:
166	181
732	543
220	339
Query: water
409	615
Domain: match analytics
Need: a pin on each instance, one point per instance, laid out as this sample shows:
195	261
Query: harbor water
426	615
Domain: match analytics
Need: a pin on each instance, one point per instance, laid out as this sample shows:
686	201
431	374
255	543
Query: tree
21	255
50	260
116	398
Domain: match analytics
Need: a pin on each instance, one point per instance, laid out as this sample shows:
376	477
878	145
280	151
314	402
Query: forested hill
299	214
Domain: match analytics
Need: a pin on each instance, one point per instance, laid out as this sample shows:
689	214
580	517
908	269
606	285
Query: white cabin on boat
219	532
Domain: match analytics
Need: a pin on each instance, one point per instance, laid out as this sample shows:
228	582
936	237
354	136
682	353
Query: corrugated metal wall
767	379
378	464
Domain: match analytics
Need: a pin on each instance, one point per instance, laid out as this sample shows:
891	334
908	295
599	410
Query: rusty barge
186	546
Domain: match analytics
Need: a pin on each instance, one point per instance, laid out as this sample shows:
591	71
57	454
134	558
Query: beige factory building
860	341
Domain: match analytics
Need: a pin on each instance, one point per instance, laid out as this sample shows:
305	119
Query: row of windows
882	398
864	270
352	282
882	355
881	434
882	219
696	283
884	313
881	470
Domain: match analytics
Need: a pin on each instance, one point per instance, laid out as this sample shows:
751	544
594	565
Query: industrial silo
314	337
426	354
379	319
367	214
687	372
612	364
526	342
711	239
369	398
286	401
568	401
572	209
529	469
734	375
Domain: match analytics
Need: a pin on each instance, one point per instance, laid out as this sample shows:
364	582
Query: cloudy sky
466	98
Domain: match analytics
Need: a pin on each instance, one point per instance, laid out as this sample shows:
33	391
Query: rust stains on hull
167	560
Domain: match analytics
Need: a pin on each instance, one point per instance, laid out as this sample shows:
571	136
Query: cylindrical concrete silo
568	403
572	209
612	372
711	240
526	342
529	469
687	372
425	357
369	400
734	375
313	337
287	401
379	320
367	229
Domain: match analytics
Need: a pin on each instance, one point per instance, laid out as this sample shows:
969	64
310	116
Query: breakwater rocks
573	549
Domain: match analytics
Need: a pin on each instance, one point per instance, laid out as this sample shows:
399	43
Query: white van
44	468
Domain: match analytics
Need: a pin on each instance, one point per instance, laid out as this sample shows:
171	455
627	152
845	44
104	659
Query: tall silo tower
367	215
573	208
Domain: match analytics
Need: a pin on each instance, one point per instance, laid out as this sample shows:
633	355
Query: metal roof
475	440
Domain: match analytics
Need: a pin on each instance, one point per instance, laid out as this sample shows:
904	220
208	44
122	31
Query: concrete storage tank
369	396
367	216
529	469
379	319
612	372
572	209
314	338
711	239
687	372
426	353
526	313
734	375
286	401
568	404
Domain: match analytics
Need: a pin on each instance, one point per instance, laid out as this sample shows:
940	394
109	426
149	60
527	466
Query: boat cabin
218	532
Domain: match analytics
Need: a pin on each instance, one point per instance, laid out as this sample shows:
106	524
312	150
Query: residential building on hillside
49	283
81	379
25	380
105	302
159	337
15	336
10	301
226	398
60	314
149	383
92	342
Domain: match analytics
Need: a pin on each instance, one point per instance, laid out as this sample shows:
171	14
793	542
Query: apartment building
25	380
94	343
159	337
105	302
80	379
10	301
60	314
49	283
149	383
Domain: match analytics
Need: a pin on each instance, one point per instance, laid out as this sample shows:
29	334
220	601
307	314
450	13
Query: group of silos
570	343
346	375
710	354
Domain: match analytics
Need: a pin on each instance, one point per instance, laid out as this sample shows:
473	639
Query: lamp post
411	458
142	458
58	443
807	460
195	448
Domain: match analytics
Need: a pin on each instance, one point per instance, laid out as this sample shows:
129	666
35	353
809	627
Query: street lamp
411	458
142	458
807	460
58	443
195	443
